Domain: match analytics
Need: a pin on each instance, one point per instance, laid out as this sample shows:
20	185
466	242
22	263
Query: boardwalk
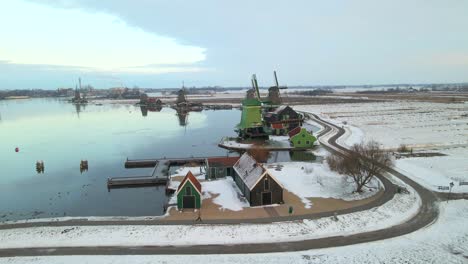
159	175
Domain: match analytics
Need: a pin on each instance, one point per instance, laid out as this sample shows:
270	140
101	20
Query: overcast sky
160	43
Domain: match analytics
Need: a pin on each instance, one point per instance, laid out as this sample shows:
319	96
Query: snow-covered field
402	122
445	241
434	127
433	172
306	180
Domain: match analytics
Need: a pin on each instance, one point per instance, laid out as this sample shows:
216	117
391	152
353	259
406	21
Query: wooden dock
159	175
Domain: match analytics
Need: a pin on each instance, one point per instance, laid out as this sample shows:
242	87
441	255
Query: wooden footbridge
158	176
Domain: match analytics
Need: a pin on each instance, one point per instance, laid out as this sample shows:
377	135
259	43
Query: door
266	198
189	201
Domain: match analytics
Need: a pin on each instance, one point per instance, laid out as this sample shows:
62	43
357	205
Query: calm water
61	135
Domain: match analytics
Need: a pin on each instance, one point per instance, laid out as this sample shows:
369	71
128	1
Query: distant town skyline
48	44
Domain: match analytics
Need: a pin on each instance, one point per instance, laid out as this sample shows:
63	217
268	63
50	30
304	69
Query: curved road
426	215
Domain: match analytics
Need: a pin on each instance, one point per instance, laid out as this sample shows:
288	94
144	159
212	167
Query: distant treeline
312	92
28	93
435	87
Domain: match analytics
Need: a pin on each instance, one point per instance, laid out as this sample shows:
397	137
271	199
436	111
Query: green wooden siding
303	139
251	117
194	191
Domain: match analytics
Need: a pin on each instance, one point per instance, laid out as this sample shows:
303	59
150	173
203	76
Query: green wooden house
301	138
189	193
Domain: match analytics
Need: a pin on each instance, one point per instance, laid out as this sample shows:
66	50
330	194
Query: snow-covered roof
280	108
249	170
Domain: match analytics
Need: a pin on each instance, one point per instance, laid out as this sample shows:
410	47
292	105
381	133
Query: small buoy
16	149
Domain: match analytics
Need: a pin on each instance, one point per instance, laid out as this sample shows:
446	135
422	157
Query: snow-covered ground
396	211
433	127
445	241
433	172
229	196
402	122
273	142
306	180
195	170
353	135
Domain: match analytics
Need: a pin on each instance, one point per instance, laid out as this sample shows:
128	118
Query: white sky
34	34
160	43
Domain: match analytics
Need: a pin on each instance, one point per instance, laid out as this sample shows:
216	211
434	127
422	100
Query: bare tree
363	162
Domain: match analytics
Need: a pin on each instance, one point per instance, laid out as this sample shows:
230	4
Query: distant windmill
274	95
181	95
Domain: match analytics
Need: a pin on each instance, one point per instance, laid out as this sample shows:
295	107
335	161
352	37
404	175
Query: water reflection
79	108
182	115
296	155
145	109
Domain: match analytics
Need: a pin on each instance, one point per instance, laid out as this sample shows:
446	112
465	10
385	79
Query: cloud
307	41
88	41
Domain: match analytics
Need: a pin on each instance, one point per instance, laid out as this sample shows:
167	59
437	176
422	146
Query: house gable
302	138
266	173
193	180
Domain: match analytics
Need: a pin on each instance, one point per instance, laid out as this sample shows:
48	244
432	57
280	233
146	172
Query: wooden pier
159	175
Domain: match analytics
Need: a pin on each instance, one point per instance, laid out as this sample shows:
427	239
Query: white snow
353	135
445	241
306	180
233	143
418	124
229	195
396	211
433	172
432	127
182	171
279	138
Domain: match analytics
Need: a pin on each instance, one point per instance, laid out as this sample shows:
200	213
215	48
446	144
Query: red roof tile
193	179
294	132
225	161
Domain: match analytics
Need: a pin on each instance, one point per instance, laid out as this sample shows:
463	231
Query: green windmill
253	107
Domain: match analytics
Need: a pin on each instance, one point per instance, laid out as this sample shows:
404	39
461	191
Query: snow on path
445	241
228	194
398	210
353	135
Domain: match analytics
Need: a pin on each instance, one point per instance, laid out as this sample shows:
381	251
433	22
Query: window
307	142
303	135
298	142
266	184
188	190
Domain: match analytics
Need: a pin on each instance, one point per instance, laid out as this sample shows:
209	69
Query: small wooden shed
189	193
256	183
220	167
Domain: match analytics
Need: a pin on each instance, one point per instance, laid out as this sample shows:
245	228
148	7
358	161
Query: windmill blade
254	79
276	82
276	79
